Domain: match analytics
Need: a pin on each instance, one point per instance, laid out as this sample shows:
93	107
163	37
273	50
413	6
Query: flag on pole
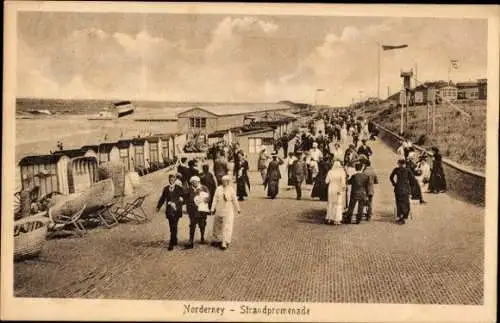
320	90
391	47
454	63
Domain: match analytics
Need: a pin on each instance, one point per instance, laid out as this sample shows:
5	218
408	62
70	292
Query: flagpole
378	83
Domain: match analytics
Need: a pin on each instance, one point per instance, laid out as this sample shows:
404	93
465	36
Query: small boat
123	108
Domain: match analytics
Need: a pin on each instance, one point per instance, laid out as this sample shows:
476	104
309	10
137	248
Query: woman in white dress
223	206
336	180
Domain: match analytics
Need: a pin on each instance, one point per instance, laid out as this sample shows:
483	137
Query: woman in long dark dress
242	180
437	181
320	188
273	176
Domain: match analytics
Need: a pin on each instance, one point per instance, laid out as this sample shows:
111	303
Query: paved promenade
281	251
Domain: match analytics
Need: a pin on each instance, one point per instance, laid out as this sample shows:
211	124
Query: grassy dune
460	139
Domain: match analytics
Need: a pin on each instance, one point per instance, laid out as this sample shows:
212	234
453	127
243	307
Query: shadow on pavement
314	216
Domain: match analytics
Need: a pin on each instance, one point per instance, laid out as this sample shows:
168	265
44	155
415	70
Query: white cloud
225	34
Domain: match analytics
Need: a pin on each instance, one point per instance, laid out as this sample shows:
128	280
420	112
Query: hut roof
90	147
138	141
124	143
106	147
40	160
71	153
238	109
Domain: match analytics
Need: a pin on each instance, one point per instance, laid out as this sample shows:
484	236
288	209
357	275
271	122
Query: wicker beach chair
67	224
132	211
29	236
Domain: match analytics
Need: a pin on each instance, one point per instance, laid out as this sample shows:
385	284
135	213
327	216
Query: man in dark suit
400	178
220	168
359	186
299	173
172	196
373	180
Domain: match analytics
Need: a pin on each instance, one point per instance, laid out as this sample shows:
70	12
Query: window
254	145
153	148
267	141
164	148
139	155
198	123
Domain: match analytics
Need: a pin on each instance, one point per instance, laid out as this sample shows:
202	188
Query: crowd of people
333	156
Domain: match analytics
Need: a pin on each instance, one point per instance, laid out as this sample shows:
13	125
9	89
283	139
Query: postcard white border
119	310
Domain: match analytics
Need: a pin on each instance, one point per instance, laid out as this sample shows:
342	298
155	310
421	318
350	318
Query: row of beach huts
74	170
71	171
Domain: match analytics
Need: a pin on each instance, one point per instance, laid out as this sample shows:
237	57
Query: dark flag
390	47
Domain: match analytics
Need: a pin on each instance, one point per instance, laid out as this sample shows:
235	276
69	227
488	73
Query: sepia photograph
244	162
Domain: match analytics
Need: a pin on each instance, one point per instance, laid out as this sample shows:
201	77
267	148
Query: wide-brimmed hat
226	178
274	154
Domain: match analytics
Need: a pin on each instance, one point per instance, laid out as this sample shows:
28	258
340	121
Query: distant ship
116	110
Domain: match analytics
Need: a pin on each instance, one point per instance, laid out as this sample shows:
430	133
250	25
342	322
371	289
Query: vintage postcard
249	162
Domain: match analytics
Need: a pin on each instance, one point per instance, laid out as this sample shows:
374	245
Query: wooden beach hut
154	151
108	152
126	150
141	152
48	172
252	141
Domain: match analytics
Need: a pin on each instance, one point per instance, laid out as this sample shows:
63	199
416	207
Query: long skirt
272	188
223	228
309	178
263	174
335	207
241	187
437	181
320	189
290	178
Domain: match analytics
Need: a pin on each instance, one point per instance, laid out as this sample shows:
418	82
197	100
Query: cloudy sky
178	57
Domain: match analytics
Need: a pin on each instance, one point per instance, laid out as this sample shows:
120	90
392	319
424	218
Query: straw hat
226	178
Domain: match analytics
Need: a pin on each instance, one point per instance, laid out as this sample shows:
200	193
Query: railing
462	182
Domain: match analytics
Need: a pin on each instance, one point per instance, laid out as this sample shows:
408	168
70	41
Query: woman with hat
198	197
423	172
223	206
273	176
336	181
262	164
437	182
242	180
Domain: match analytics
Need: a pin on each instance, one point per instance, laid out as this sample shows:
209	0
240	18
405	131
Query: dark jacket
173	195
373	179
365	150
208	180
184	171
220	168
401	177
299	171
359	185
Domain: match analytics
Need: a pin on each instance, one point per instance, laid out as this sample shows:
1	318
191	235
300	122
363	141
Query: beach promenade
280	252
